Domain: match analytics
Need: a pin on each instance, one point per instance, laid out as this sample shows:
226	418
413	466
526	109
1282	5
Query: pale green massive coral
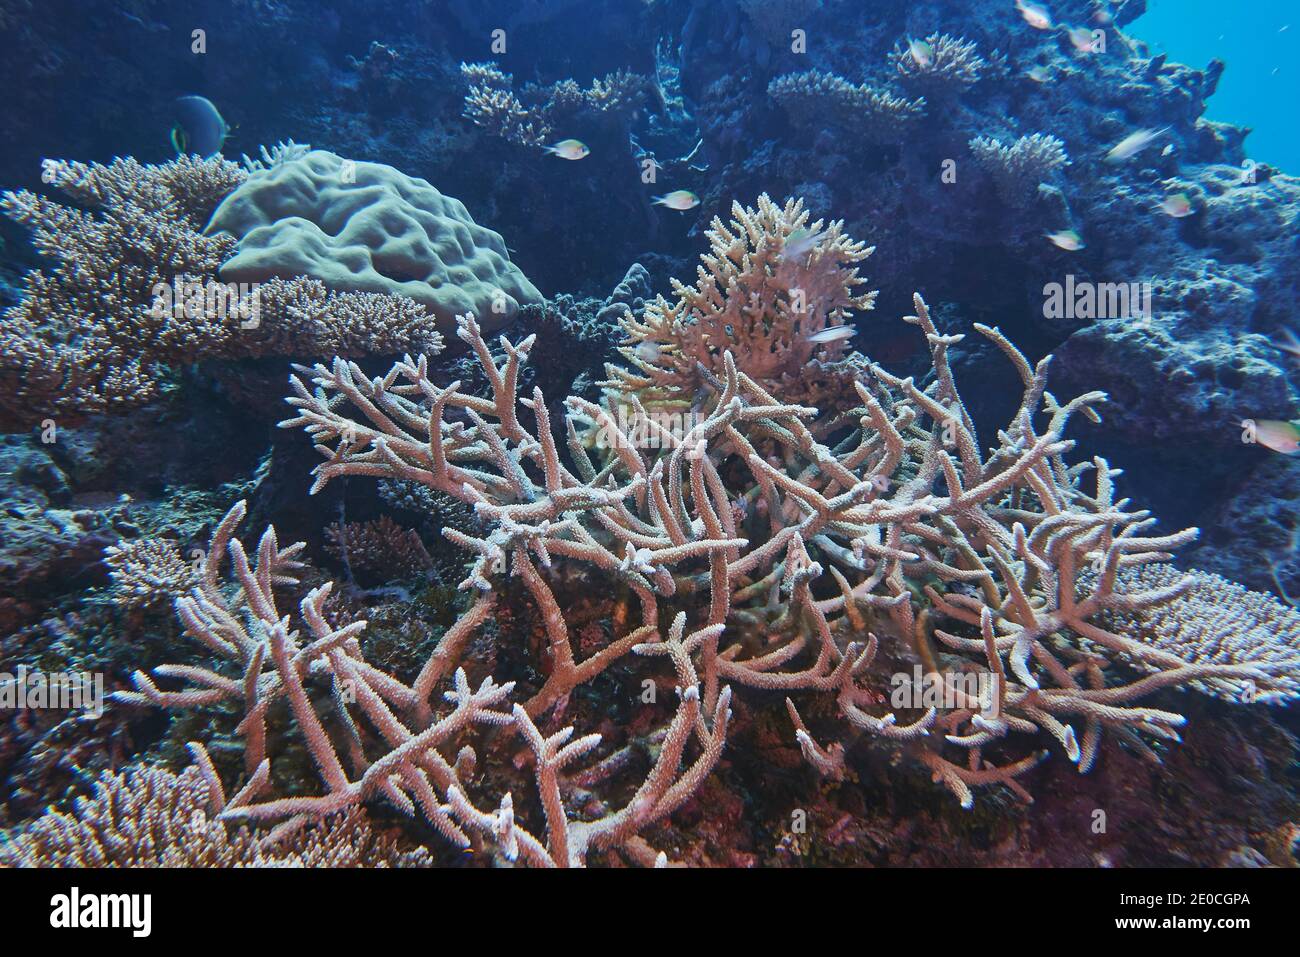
368	227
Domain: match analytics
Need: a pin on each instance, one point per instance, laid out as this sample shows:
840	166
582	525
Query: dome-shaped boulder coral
367	227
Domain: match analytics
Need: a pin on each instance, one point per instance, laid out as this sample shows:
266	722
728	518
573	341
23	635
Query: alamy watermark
645	430
1075	299
191	299
948	691
57	690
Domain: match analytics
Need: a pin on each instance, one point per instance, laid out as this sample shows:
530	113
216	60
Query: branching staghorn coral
943	66
135	291
391	739
791	554
1018	169
814	99
149	817
769	284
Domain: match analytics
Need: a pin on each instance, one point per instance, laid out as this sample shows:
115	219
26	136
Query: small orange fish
1039	74
1178	206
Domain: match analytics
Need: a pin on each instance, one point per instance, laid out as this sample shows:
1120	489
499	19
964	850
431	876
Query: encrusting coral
768	292
368	228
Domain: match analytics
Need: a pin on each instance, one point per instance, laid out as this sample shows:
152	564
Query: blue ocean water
1260	43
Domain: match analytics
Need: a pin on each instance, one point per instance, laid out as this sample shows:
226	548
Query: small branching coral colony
765	547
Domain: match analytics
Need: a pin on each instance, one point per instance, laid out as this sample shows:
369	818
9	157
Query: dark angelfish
200	128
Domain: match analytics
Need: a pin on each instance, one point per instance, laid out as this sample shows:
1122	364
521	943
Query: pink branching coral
759	556
392	739
794	554
770	283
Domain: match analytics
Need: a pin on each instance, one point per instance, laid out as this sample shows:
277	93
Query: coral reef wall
447	605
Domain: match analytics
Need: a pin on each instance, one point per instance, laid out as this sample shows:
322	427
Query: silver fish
833	334
1133	144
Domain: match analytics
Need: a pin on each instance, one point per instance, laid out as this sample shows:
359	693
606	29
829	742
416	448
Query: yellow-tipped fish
922	53
1178	206
568	149
1133	144
1035	15
1066	239
1039	74
679	199
1279	436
